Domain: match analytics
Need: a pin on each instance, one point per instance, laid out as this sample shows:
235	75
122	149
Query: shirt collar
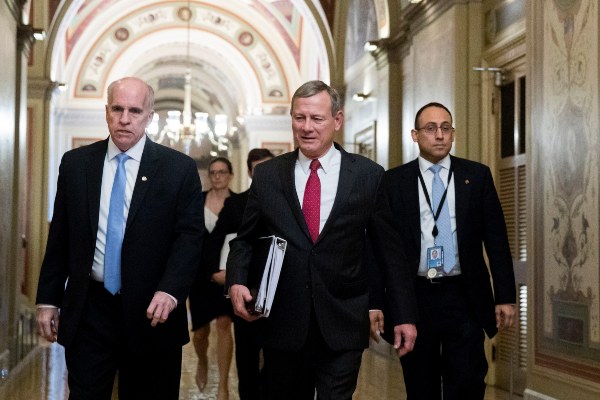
424	164
325	160
135	152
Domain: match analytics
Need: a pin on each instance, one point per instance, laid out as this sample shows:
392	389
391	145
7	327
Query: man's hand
240	298
160	307
218	277
376	318
47	322
505	315
404	338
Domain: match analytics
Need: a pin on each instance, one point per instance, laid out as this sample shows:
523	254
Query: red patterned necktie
311	205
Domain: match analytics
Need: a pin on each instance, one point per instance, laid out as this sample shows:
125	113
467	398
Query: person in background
124	245
446	208
320	199
206	297
247	349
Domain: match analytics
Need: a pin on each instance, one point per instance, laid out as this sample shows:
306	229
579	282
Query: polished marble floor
43	377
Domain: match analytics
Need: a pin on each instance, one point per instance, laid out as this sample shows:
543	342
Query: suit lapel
94	168
410	194
345	183
287	177
146	173
462	194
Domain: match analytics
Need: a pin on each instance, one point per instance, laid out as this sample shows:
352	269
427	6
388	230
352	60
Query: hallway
44	378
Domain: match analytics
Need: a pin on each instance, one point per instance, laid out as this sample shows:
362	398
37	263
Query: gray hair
312	88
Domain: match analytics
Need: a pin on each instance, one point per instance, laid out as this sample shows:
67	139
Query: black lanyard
434	232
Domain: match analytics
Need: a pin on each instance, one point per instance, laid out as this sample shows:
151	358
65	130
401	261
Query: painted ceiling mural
236	46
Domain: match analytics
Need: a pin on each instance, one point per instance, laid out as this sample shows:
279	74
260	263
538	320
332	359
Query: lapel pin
466	181
144	178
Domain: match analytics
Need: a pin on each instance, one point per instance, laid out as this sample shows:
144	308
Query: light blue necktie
115	228
444	237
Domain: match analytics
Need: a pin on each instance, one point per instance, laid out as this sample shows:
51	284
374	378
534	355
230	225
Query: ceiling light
179	127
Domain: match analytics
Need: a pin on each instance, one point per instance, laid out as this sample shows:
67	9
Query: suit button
307	285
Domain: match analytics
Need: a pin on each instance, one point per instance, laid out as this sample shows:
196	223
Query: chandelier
178	127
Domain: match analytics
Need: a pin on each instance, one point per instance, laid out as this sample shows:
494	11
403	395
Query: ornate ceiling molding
218	24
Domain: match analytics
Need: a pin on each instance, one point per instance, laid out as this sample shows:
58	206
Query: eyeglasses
220	172
432	128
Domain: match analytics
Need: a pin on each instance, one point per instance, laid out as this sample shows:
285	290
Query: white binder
270	276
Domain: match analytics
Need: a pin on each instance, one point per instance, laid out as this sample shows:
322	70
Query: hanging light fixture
178	127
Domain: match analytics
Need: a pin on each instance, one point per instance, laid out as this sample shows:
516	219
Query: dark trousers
448	355
247	358
295	375
100	349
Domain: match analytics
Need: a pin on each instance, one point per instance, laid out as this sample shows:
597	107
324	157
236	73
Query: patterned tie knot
436	168
315	165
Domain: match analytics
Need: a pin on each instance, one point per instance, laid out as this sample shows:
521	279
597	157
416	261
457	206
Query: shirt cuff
45	306
173	298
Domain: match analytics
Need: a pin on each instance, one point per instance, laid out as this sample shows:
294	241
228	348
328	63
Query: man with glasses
444	208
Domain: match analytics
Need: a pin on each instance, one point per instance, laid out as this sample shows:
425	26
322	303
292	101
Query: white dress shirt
427	221
329	175
108	176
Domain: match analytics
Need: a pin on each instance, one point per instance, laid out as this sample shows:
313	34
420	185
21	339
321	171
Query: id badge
435	261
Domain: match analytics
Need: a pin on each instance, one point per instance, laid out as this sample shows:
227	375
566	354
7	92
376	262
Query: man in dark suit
247	348
452	283
121	302
319	322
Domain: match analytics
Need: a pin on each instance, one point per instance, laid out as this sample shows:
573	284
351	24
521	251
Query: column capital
25	39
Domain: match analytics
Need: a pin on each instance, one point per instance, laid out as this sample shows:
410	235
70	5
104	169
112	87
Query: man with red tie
321	200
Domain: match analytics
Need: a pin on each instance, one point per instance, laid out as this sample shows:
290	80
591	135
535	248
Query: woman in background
207	301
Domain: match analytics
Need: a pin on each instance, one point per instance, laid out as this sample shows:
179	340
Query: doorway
510	349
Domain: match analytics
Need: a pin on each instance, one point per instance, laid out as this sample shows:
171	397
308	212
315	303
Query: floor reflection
43	377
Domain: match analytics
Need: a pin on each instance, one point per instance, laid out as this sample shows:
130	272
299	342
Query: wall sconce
360	96
60	86
377	47
55	88
39	34
373	45
414	1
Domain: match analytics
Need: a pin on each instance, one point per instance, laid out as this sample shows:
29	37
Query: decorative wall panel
565	150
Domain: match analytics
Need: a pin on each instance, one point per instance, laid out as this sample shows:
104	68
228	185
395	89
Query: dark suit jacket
230	220
329	275
161	246
479	220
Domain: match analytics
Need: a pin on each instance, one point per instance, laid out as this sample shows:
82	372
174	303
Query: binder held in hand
268	252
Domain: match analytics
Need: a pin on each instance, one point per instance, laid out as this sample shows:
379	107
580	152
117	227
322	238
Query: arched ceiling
246	56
